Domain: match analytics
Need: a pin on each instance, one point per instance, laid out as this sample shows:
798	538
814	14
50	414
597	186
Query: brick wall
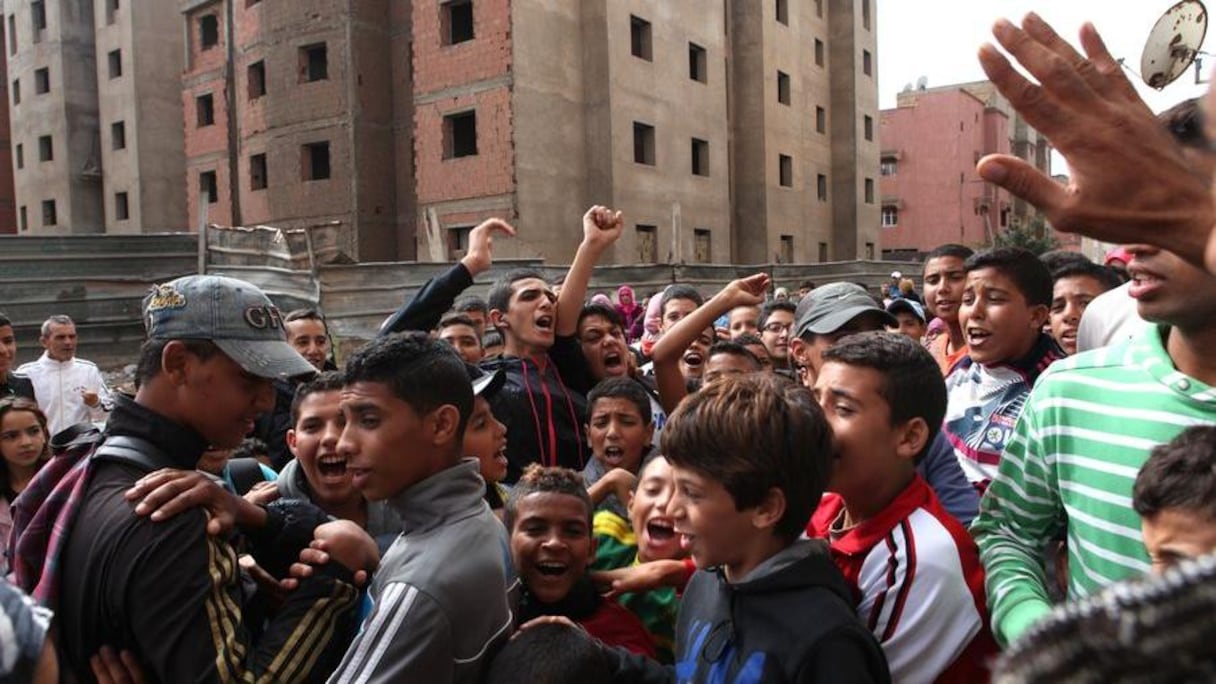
207	146
472	75
489	172
438	66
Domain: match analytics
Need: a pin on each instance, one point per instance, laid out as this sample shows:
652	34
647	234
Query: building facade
931	193
737	132
94	87
289	115
8	200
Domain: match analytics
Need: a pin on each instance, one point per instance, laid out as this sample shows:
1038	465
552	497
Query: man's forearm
574	289
424	310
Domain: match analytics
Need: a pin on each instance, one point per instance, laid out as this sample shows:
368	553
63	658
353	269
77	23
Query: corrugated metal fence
100	280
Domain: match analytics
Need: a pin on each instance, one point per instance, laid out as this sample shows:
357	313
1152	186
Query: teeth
332	465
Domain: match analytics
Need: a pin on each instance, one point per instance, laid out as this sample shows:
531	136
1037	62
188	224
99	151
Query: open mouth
693	359
613	360
614	455
1143	282
552	568
544	323
977	336
331	466
660	531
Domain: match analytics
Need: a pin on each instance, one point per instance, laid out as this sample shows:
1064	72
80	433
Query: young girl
24	446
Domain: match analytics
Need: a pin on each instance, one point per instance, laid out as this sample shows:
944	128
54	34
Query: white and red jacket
919	585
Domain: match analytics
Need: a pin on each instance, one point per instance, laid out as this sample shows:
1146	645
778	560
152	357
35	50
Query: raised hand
481	244
1129	180
749	291
602	226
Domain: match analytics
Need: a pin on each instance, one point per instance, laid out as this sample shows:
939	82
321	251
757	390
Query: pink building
930	191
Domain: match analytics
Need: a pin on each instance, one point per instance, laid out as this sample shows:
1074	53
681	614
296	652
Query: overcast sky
938	39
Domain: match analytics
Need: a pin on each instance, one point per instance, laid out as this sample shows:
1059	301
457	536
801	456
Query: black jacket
17	385
425	309
171	593
544	412
792	619
543	404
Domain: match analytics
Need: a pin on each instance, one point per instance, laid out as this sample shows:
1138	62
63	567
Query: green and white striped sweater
1086	430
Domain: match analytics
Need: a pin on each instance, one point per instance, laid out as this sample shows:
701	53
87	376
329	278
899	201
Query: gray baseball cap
826	309
235	315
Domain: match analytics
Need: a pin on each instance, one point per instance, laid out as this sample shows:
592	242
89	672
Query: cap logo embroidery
166	297
262	317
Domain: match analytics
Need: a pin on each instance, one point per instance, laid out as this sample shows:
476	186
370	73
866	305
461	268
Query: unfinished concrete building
730	132
97	146
290	115
8	201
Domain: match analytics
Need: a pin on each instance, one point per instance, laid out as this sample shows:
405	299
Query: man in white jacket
69	390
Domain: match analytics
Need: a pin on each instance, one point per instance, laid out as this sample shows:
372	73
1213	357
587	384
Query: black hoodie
542	404
544	408
792	619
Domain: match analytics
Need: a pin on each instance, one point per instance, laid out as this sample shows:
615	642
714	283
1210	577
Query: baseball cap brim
266	358
906	306
837	320
488	384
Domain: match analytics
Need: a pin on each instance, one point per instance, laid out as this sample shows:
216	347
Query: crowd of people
975	481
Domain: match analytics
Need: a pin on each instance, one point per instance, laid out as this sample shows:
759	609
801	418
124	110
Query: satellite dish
1173	43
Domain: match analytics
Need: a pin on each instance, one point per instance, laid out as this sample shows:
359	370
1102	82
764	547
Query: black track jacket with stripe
172	594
